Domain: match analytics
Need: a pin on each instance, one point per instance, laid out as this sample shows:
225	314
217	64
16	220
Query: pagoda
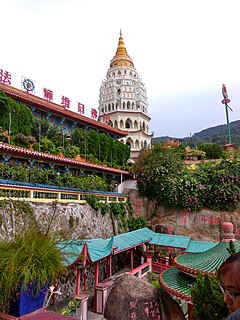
123	101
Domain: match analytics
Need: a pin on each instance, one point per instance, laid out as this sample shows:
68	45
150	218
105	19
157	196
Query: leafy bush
29	256
135	223
212	150
162	175
50	176
208	299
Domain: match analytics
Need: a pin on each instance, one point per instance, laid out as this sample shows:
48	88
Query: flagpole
226	101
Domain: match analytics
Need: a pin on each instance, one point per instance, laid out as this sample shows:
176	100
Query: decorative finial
120	32
227	232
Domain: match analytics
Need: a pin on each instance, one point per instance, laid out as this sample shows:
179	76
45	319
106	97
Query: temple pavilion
178	281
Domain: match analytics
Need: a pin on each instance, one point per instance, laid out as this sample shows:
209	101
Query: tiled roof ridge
4	147
50	106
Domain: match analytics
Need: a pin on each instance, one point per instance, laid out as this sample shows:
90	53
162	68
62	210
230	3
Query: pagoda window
133	105
129	142
121	124
113	74
130	73
128	124
125	71
135	124
128	105
143	126
119	72
119	91
123	104
110	123
112	106
102	110
137	144
105	108
145	144
115	124
116	105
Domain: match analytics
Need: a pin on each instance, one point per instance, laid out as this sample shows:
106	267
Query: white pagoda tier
123	101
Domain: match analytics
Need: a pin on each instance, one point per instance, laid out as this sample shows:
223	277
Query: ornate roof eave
58	109
175	292
42	156
206	262
128	112
142	131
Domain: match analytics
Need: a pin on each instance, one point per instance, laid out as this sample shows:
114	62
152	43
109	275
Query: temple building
123	101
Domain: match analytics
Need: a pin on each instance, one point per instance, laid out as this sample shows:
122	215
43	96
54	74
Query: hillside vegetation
216	135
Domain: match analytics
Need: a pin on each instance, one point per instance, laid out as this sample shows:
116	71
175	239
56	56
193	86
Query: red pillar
125	259
96	274
107	267
131	256
110	265
146	250
78	282
190	310
84	266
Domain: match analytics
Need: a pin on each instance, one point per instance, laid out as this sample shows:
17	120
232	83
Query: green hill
216	135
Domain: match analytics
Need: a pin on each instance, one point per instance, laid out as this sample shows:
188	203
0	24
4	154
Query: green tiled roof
99	248
169	240
131	239
71	250
177	283
207	261
199	246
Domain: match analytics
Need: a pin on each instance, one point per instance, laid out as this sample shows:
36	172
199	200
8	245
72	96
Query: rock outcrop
134	298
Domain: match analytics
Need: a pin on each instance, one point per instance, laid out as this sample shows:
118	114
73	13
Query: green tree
212	150
208	299
135	223
16	113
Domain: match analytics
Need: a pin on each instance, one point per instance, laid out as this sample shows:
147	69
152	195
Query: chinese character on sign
138	207
81	108
133	305
184	218
5	77
94	113
217	220
65	102
47	94
169	229
152	311
210	220
106	118
203	219
133	316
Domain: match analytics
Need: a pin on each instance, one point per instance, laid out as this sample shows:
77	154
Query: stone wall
76	220
203	225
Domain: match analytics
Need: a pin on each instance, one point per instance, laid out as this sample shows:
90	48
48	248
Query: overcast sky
184	50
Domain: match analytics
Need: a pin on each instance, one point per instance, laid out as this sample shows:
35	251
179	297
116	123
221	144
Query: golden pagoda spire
121	57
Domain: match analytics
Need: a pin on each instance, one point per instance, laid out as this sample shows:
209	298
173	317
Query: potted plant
29	261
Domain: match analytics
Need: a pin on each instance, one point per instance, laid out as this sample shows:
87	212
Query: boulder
136	299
